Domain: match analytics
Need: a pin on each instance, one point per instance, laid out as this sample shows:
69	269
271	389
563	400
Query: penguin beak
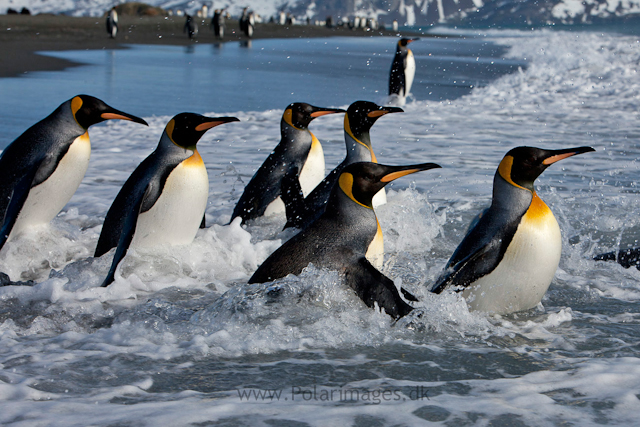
325	111
114	114
557	155
413	40
213	122
384	110
400	171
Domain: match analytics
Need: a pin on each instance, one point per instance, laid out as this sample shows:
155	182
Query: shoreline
23	36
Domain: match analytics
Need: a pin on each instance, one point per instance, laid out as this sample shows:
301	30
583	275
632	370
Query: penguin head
403	42
300	114
361	115
522	165
186	129
361	181
88	110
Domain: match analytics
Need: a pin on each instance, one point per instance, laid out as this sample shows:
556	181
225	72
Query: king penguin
299	150
403	69
164	199
343	235
360	117
42	169
507	260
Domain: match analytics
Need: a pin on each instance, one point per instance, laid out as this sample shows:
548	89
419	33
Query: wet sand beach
22	36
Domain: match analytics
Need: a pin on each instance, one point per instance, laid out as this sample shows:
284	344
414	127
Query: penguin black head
522	165
361	115
361	181
88	110
186	129
403	42
300	114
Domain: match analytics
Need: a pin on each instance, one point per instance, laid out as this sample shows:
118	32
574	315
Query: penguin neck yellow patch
347	128
288	118
375	251
314	142
538	210
346	185
76	104
194	161
505	171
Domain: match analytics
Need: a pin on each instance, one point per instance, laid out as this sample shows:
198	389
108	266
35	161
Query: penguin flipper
293	198
203	224
126	236
625	257
16	199
373	287
469	269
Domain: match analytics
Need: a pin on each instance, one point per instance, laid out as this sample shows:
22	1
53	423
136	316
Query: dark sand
21	36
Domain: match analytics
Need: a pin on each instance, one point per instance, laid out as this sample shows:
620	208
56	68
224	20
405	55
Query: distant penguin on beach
112	23
247	22
191	27
508	259
164	199
218	24
343	236
43	167
403	69
298	150
360	117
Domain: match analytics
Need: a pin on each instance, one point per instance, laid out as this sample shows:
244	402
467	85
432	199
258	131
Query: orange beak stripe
377	113
208	125
322	113
395	175
551	160
114	116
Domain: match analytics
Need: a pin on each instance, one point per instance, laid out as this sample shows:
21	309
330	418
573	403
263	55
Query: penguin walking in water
298	150
625	257
42	169
164	199
507	260
403	69
112	23
360	117
343	235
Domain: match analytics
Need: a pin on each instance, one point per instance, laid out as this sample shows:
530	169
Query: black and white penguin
164	199
43	167
298	150
191	27
112	23
218	23
506	261
625	257
360	117
343	235
403	69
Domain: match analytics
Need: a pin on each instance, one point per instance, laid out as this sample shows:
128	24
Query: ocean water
181	339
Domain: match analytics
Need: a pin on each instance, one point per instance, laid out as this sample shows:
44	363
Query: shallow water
181	339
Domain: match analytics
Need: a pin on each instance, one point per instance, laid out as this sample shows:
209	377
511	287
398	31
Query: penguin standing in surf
298	150
403	69
507	260
42	169
164	199
342	237
360	117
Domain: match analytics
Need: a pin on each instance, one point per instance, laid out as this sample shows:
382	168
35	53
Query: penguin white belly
523	276
375	251
48	198
275	207
409	73
176	216
312	172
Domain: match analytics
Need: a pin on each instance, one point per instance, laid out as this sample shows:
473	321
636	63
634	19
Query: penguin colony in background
504	264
